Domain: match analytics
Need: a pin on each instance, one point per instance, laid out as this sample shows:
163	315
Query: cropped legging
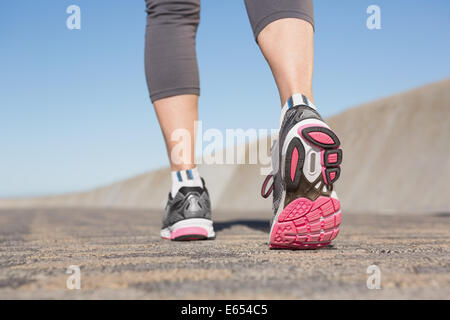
170	55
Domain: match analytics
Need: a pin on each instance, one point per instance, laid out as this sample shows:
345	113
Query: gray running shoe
188	215
306	162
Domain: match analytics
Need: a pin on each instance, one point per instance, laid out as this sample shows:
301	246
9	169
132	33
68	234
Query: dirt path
121	256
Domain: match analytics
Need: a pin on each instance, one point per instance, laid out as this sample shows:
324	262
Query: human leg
306	156
173	81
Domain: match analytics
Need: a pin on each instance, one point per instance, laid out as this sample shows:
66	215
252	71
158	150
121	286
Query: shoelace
265	194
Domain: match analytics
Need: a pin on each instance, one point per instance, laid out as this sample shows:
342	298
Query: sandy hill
396	159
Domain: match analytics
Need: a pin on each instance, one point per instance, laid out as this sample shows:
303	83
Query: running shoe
188	215
306	162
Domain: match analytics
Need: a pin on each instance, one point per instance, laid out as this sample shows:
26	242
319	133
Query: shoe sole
306	224
189	230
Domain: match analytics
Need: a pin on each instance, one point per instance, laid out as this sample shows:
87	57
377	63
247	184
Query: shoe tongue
297	99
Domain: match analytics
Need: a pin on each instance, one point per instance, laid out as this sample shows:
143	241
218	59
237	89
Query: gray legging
170	57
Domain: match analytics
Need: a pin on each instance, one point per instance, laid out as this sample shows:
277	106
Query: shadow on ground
259	225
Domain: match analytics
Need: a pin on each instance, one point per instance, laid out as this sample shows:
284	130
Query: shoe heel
331	155
189	229
295	157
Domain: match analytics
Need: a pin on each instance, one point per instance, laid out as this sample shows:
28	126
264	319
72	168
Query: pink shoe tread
306	224
189	233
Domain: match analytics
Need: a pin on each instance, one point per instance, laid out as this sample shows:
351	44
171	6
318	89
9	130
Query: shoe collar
295	100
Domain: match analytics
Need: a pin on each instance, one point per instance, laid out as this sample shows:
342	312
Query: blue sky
74	106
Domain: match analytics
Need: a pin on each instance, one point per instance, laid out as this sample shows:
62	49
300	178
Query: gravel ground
121	256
